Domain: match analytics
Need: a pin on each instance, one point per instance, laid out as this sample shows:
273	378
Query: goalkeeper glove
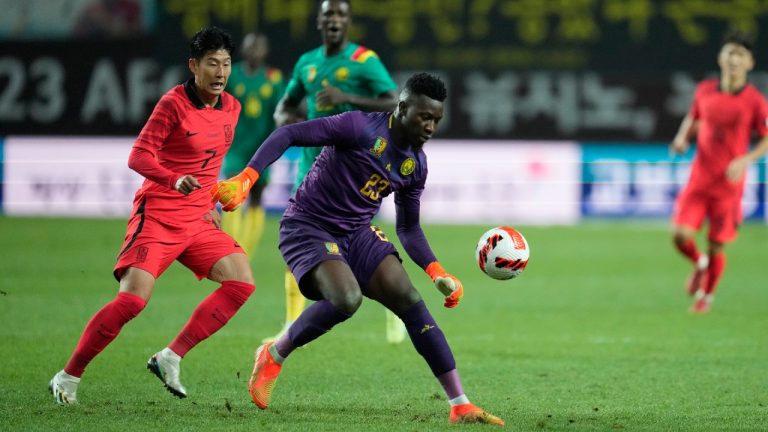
232	192
446	283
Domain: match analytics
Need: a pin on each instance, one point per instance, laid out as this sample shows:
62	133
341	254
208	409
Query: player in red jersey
724	113
179	152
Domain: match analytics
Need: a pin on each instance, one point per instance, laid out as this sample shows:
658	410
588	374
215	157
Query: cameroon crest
332	248
379	146
342	74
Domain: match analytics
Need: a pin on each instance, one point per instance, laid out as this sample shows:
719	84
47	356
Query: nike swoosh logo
189	134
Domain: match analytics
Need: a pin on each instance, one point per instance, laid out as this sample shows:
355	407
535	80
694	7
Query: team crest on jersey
228	133
332	248
342	73
266	90
141	256
311	73
408	167
378	147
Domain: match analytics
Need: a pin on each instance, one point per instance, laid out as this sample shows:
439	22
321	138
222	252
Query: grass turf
594	336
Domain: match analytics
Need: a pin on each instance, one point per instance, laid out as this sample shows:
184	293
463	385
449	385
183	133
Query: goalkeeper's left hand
232	192
446	283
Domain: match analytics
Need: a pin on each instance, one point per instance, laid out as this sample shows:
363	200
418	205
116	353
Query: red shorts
724	213
153	246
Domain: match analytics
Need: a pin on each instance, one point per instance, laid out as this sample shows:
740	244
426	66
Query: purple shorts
305	244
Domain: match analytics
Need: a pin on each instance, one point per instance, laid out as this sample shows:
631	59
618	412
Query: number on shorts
379	233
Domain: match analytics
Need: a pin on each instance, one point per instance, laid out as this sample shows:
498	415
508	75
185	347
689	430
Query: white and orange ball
502	253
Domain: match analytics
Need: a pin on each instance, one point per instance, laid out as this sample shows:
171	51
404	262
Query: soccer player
179	152
258	88
724	113
327	239
336	77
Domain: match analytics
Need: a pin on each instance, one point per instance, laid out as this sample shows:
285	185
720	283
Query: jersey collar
189	89
735	93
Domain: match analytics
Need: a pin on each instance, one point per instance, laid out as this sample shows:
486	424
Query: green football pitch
595	335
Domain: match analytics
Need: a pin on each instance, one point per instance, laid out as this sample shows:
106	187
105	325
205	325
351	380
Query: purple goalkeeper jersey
359	166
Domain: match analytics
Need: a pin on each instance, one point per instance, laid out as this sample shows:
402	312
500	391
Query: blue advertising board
643	180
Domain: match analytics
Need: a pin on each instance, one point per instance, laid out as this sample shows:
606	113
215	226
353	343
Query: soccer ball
502	253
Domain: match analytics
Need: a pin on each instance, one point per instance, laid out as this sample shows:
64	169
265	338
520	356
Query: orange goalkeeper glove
232	192
446	283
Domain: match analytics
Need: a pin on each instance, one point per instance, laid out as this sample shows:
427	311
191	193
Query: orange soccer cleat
470	413
265	372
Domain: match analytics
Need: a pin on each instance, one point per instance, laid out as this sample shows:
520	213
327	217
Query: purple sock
315	321
451	384
428	339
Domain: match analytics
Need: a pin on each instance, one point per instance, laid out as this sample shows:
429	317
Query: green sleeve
295	89
379	80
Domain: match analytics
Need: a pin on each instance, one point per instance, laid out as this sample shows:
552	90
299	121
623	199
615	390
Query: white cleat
165	365
63	386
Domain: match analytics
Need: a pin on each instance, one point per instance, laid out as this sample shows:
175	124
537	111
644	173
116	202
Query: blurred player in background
327	239
723	115
336	77
179	152
258	88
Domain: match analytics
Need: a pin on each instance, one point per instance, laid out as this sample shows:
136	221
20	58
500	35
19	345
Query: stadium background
559	116
558	110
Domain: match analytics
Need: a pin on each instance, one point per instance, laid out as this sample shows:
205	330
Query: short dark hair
320	4
428	85
738	37
210	39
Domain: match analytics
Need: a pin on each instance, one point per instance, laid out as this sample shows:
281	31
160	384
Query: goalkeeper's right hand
232	192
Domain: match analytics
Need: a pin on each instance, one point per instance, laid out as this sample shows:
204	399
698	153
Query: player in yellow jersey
336	77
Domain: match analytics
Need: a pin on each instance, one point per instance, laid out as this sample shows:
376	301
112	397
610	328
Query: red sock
715	272
689	250
102	329
211	315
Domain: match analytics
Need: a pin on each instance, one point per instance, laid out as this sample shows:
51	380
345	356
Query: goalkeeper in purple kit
327	239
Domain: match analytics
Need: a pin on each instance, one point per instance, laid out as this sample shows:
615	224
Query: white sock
459	400
65	376
703	262
170	355
276	355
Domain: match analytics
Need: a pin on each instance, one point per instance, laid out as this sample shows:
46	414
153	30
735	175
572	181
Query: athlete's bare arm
682	140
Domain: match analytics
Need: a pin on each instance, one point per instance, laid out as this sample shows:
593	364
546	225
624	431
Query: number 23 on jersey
375	185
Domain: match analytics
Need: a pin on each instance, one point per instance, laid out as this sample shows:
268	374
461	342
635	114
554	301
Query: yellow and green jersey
258	94
355	70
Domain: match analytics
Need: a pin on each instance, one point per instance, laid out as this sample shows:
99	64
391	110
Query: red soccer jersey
726	122
187	138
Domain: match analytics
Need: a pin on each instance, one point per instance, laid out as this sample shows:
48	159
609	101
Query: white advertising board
503	182
500	182
68	176
89	176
